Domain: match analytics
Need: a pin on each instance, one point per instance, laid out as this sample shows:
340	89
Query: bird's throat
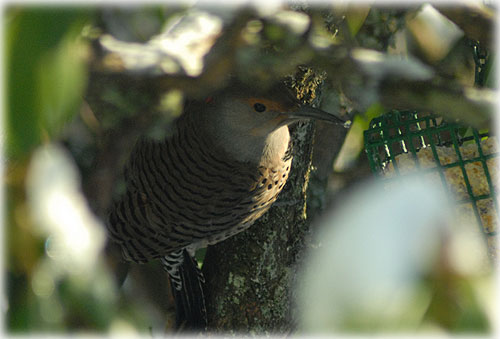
258	150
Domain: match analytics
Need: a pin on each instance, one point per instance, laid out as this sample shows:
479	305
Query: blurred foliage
379	27
53	53
46	70
134	24
46	77
46	73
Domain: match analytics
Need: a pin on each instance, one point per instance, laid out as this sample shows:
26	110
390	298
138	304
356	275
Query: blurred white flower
377	252
379	65
434	33
296	22
75	236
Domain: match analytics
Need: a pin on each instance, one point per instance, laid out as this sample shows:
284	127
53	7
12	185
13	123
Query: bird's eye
259	107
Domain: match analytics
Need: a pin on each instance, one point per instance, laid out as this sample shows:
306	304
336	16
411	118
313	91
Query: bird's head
249	124
261	114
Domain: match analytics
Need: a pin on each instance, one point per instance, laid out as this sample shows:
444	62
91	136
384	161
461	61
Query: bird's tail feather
189	296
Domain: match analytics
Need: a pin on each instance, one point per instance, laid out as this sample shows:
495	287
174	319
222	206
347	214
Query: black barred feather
173	201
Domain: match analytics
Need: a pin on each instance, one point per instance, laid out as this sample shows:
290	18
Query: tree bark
249	277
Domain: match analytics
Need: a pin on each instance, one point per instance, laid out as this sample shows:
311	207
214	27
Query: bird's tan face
251	116
247	126
268	113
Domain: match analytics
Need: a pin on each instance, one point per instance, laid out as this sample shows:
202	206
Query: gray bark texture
249	276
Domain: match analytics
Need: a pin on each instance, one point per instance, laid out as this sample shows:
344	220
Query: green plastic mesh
460	159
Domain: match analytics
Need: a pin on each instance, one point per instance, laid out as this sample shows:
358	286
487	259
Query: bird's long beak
308	112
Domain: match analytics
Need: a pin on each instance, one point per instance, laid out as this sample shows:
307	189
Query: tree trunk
249	276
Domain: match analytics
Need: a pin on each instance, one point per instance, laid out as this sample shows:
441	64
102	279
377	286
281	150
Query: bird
222	168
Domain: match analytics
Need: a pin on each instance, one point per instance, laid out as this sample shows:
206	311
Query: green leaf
490	70
354	141
374	111
355	17
45	74
61	79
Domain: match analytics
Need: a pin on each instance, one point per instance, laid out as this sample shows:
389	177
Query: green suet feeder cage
460	159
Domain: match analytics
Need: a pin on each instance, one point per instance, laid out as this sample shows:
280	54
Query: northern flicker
221	170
